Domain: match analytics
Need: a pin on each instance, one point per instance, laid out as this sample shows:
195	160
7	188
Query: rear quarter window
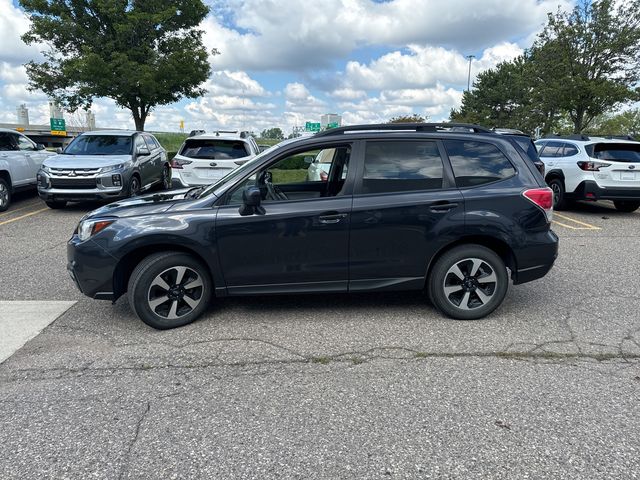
477	163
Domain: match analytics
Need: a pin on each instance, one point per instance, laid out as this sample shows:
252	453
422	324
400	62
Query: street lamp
469	57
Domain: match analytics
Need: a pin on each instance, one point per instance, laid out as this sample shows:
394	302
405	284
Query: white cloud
13	24
225	82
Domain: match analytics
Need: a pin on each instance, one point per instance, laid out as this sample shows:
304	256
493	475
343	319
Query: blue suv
452	209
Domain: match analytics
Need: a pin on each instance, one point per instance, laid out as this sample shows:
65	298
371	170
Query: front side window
299	176
212	149
476	163
100	145
25	144
401	166
151	142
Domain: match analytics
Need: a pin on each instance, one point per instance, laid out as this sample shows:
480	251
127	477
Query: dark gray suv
401	207
104	165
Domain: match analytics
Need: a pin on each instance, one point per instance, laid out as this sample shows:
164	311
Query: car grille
76	172
73	183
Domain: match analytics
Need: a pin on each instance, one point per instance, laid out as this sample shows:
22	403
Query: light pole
469	57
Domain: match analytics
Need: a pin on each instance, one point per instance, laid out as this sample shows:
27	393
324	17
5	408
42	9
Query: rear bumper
538	260
589	190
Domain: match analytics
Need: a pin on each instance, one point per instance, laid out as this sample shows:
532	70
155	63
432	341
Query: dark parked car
403	207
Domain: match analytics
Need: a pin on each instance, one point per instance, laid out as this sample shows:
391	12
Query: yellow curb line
23	216
591	227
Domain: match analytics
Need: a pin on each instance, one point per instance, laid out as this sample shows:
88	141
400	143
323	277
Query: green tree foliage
626	123
275	133
584	64
414	118
140	53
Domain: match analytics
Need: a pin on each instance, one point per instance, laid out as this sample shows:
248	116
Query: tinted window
214	149
552	149
6	141
100	145
475	163
617	152
570	150
401	167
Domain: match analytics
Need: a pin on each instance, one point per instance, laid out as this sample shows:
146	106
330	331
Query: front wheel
5	195
169	290
626	206
134	186
468	282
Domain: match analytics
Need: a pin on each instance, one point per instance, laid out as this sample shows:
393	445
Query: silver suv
20	159
104	165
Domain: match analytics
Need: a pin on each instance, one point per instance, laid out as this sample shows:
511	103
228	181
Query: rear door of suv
624	161
405	207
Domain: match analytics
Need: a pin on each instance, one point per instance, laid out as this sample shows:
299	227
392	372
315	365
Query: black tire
134	186
56	204
465	257
165	180
559	199
142	291
626	206
5	195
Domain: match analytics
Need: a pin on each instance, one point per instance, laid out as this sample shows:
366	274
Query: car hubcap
176	292
470	283
4	195
134	186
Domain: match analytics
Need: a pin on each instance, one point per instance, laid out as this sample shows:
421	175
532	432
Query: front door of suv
405	208
300	241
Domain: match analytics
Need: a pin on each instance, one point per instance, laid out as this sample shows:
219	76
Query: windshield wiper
193	192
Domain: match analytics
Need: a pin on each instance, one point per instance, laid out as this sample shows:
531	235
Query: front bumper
589	190
91	268
107	186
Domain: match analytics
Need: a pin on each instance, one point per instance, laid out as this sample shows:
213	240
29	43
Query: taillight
543	198
179	163
592	166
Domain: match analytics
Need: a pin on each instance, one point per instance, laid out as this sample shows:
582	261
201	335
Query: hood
85	161
143	205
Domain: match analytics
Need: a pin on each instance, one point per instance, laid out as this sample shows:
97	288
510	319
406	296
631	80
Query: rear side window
6	142
570	150
616	152
401	167
214	149
477	163
552	149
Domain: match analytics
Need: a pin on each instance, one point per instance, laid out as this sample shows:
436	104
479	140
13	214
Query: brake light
543	198
178	163
592	166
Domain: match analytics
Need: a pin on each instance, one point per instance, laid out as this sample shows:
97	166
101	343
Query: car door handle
331	217
442	207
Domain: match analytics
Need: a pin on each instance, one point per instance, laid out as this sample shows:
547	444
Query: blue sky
284	62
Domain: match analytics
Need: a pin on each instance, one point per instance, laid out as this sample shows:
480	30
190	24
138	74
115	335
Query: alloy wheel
470	283
175	292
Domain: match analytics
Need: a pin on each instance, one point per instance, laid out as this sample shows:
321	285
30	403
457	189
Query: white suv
579	167
204	159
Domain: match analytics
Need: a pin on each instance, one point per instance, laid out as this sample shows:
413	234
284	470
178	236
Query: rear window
617	152
99	145
401	167
476	163
214	149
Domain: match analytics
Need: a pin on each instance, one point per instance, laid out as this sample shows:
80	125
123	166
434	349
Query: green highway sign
332	125
312	127
58	126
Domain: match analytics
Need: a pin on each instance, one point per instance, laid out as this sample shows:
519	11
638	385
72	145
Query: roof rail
418	127
621	137
575	136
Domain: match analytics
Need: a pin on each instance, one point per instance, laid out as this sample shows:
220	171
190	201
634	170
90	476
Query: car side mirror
308	159
40	146
143	151
251	199
58	150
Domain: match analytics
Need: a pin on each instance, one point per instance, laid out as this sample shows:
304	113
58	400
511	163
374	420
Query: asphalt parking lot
329	386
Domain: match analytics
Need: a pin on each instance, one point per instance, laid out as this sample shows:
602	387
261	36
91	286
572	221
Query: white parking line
20	321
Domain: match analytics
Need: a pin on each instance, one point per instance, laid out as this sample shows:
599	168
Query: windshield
214	149
238	172
617	152
99	145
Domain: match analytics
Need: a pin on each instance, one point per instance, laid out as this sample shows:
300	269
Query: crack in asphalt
127	460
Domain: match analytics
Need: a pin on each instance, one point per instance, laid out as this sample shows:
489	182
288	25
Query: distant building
328	118
54	110
91	120
23	115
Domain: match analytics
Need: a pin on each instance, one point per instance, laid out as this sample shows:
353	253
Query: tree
141	54
413	118
590	58
275	133
625	123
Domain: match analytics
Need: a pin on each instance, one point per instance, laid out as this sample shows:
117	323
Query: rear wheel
626	206
468	282
169	290
5	194
559	200
55	204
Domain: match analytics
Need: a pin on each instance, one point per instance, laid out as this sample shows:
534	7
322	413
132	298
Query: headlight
88	228
45	169
112	168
